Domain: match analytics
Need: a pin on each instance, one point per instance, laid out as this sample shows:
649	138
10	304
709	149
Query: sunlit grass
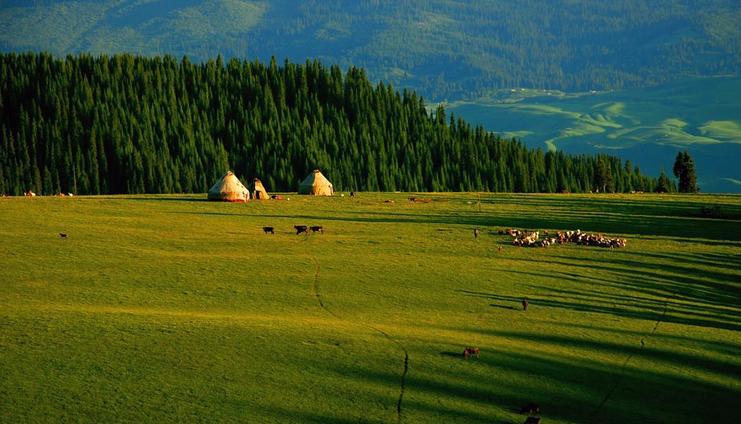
170	308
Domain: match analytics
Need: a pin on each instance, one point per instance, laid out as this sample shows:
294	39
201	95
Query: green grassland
647	125
170	308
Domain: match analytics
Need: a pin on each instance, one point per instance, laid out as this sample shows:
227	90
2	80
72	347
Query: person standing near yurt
316	184
229	189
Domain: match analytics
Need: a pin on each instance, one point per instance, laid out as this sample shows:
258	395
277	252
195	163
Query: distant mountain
444	49
646	125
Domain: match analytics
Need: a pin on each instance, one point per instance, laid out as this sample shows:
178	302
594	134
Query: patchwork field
646	125
170	309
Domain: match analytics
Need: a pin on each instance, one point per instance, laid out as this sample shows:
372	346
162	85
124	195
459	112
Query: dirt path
620	378
402	383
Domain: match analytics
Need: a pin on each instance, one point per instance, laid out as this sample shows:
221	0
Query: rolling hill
646	125
172	309
440	48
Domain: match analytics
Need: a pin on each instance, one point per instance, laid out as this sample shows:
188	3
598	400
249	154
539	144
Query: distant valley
646	125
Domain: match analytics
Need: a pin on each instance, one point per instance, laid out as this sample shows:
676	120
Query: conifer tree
128	124
684	169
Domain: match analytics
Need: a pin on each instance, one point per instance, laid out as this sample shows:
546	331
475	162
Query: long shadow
654	206
654	350
716	232
721	287
566	388
690	283
165	199
710	302
730	262
617	310
640	303
730	349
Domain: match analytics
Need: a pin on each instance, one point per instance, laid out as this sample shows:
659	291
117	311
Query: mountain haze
441	48
646	125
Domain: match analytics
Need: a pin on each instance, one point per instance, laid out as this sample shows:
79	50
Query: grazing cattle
317	229
29	193
476	233
524	304
471	351
301	229
63	235
530	408
267	230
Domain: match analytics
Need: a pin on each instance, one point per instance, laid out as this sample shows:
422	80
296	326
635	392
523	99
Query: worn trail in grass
170	308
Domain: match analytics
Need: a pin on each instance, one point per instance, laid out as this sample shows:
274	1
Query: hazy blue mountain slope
646	125
442	48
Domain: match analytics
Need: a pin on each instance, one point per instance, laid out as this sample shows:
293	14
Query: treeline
126	124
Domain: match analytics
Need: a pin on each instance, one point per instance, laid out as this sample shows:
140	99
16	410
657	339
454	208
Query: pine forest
129	124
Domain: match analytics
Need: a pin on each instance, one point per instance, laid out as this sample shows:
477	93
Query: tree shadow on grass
724	348
622	224
705	286
623	309
568	388
704	297
165	199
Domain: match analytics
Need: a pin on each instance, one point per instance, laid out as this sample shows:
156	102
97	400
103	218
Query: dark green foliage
126	124
684	169
664	184
440	48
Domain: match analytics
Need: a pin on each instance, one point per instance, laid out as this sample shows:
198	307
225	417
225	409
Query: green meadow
174	309
647	125
694	111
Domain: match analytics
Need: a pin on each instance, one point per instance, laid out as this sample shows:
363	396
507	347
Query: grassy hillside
441	48
646	125
170	308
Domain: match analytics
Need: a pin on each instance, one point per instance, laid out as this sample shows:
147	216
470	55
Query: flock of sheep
532	239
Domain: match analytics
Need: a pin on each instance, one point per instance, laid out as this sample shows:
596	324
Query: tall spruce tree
684	170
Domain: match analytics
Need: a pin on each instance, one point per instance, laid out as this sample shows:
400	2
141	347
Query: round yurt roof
229	189
316	184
